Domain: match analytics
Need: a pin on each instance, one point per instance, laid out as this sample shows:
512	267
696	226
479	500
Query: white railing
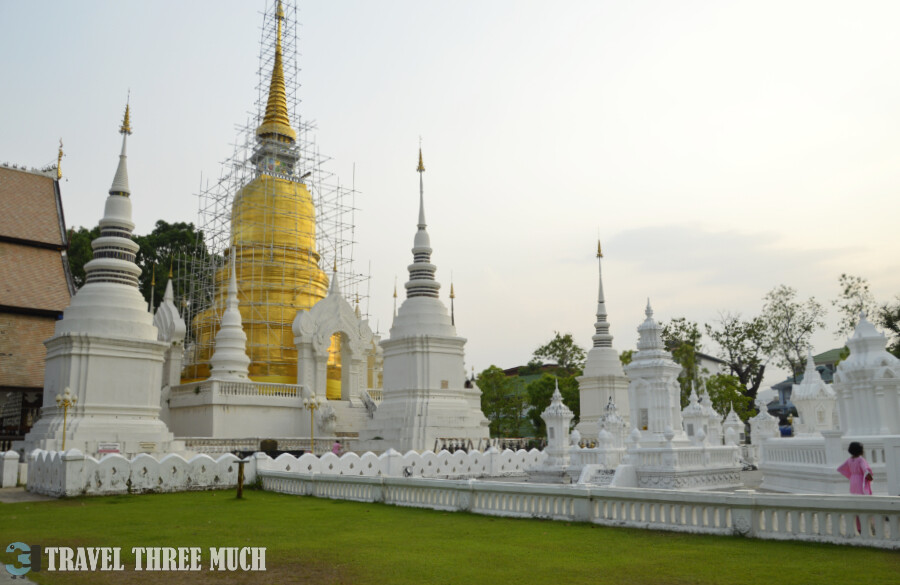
221	388
822	518
794	452
606	458
216	446
690	458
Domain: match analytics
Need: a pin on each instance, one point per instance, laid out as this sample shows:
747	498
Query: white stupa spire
421	272
230	360
120	181
650	333
601	337
114	250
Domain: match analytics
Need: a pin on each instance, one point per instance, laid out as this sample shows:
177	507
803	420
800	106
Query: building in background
35	287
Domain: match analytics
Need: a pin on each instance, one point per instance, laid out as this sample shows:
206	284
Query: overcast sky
717	149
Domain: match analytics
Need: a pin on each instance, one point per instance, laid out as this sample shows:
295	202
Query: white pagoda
425	399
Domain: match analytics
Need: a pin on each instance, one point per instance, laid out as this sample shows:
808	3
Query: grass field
318	541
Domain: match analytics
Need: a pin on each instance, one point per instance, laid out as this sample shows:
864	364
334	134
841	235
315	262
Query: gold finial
395	290
125	128
421	167
153	277
171	261
599	251
276	123
59	161
452	295
335	266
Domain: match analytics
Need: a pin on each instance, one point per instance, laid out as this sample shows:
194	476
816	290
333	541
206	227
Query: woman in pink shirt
858	471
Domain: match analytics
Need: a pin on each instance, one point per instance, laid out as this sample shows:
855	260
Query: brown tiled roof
28	208
32	278
22	350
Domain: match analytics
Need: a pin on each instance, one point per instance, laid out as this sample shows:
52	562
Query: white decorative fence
767	516
71	473
459	464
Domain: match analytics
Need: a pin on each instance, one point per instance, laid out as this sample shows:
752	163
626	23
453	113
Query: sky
717	149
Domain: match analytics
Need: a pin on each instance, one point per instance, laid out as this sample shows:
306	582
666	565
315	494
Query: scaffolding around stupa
199	279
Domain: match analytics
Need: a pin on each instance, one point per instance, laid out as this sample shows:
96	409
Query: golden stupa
273	246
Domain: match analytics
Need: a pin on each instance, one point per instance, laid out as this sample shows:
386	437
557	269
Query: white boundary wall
71	473
820	518
459	464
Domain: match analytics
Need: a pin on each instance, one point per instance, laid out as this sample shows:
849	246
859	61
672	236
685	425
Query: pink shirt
855	469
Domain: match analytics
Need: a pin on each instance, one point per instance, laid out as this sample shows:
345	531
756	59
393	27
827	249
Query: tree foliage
158	248
791	324
626	356
80	252
727	391
540	393
562	349
888	317
501	402
682	338
854	298
746	346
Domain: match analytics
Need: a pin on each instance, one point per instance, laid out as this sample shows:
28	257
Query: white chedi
654	394
762	426
734	428
694	417
815	401
557	417
603	378
229	361
867	385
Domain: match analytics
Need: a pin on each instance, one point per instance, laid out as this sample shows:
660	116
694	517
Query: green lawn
310	540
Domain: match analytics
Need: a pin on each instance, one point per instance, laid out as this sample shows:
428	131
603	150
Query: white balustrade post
834	456
72	476
9	469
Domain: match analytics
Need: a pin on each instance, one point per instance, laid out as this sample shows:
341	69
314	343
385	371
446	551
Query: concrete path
14	495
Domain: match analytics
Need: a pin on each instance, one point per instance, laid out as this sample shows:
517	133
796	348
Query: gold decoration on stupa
273	235
599	251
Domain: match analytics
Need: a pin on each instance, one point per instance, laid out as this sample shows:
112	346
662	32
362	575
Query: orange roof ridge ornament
276	123
59	161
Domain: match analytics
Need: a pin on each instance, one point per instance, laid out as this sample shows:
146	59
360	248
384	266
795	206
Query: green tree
158	248
791	324
682	338
888	317
726	391
626	356
562	349
540	393
854	298
80	252
746	346
501	402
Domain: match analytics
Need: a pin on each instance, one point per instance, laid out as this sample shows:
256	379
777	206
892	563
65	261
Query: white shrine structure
659	452
603	378
106	350
425	398
866	388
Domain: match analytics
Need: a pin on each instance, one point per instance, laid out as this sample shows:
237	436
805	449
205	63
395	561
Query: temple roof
30	208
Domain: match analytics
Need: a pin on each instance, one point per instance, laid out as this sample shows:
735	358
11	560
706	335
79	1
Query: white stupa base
417	420
107	430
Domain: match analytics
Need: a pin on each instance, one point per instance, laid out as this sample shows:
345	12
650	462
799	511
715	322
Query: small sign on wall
109	448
